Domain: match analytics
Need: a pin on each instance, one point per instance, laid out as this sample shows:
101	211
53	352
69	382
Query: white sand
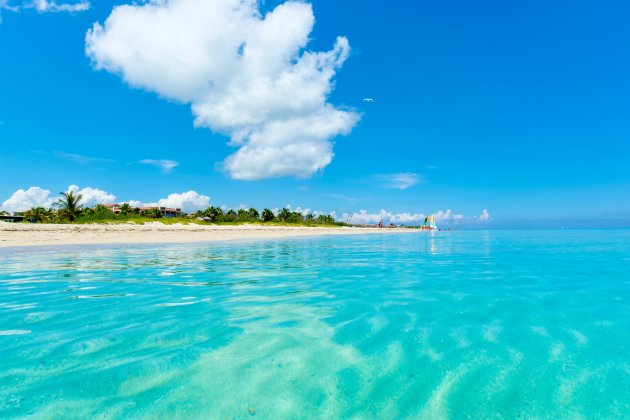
23	234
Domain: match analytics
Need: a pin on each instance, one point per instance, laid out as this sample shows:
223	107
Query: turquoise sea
462	324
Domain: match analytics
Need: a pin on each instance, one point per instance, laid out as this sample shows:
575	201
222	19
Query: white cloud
92	196
22	200
447	216
187	201
4	5
244	74
484	216
44	6
399	181
137	203
165	165
363	217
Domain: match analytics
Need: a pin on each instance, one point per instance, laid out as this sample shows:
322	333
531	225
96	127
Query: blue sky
518	108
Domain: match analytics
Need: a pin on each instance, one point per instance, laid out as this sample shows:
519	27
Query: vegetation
69	208
69	205
126	209
285	216
39	215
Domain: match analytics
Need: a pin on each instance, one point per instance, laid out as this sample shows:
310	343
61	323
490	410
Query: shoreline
21	235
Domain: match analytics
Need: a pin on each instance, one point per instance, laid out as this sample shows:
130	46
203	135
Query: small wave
176	304
14	332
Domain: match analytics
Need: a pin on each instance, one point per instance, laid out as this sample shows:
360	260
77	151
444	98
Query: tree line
69	208
217	215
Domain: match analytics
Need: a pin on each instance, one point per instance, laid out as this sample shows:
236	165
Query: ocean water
463	324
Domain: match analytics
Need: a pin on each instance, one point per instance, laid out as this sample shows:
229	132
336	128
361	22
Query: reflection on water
443	324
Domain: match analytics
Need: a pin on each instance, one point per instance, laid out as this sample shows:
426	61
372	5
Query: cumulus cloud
165	165
484	216
363	217
187	201
448	216
307	211
245	75
22	200
92	196
400	180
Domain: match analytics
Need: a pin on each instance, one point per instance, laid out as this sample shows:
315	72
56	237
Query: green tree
284	214
126	209
294	217
69	205
325	219
243	215
215	214
99	208
153	213
267	215
231	215
253	214
37	215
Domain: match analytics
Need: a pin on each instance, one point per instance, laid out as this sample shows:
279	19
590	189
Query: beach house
114	208
165	211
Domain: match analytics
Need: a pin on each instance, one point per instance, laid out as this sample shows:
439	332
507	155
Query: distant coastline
41	234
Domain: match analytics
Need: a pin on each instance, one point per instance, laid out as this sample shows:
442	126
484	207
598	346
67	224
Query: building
171	212
11	218
114	208
165	211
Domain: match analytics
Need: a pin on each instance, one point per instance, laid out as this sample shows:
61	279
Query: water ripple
445	325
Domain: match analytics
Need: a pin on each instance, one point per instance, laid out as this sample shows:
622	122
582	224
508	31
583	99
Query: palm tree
125	208
326	219
284	214
69	205
213	213
230	216
242	215
267	215
37	215
253	214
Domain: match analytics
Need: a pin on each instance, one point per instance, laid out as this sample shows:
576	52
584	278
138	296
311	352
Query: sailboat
429	223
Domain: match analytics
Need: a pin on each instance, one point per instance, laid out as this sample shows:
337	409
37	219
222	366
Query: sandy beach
22	234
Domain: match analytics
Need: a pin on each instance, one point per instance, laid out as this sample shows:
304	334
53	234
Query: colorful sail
429	223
